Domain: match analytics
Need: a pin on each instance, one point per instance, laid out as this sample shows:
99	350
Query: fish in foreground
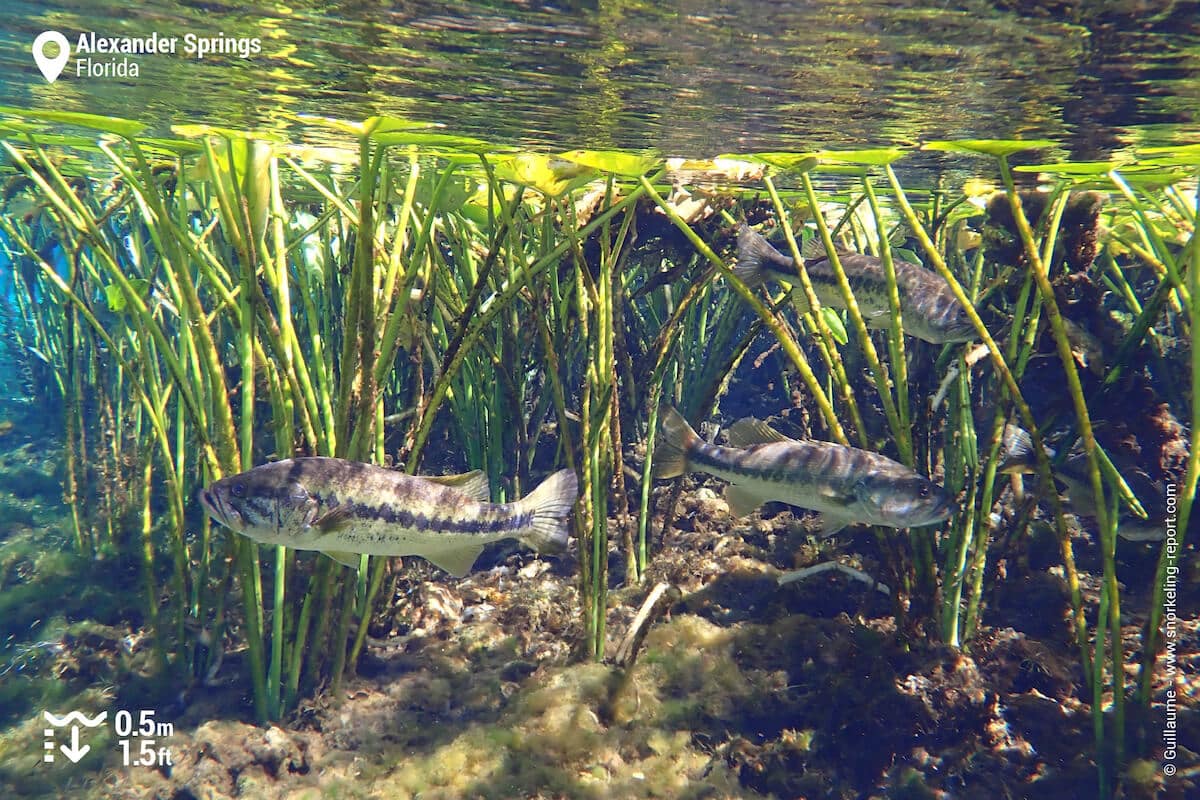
844	484
928	308
346	508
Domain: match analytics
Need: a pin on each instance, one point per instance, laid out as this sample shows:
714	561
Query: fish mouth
213	506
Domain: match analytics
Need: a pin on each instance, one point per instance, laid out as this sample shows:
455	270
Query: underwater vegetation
203	304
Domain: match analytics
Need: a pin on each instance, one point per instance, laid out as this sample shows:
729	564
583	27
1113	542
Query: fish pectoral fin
830	524
879	321
800	300
351	560
333	519
749	431
740	500
456	562
473	484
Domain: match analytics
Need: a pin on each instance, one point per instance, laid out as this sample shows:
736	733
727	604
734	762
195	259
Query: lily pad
548	174
436	140
1073	168
989	147
788	162
1181	154
871	157
196	131
117	125
629	165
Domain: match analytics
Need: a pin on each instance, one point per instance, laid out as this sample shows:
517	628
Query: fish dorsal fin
473	484
456	562
751	431
740	500
813	249
351	560
333	519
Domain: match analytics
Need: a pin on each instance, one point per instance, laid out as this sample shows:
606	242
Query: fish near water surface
345	509
929	310
844	484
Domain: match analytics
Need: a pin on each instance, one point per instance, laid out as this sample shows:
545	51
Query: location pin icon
51	66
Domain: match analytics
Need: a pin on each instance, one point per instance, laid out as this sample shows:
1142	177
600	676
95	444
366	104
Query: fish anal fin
351	560
473	484
800	301
740	501
457	562
749	431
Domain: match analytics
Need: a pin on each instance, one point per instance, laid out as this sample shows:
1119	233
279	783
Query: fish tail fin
754	252
678	440
550	504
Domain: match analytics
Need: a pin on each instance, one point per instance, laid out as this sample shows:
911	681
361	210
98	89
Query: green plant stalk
896	332
484	318
786	342
1173	545
1026	414
1083	418
837	368
903	438
1147	228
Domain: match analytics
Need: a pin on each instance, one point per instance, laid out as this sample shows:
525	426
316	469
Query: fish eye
923	491
238	490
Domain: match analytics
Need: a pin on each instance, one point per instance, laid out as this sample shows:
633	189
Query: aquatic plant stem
1014	392
1083	419
786	342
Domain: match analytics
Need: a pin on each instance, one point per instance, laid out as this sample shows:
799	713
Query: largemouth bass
345	509
844	484
928	308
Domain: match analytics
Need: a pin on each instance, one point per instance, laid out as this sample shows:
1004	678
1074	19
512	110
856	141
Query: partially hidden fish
845	485
1017	458
345	509
928	308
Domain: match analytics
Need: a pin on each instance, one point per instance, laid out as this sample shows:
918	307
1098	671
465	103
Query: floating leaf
194	131
788	162
873	157
376	125
178	146
1175	155
989	147
1074	168
117	125
629	165
548	174
435	140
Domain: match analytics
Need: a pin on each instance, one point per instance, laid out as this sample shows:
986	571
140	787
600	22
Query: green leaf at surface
989	147
117	125
788	162
629	165
548	174
872	157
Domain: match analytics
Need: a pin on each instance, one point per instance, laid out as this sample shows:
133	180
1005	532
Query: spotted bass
929	310
345	508
844	484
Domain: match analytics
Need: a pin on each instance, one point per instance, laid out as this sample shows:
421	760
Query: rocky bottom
742	688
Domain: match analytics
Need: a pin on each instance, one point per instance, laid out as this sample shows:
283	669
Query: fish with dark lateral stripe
346	509
844	484
928	309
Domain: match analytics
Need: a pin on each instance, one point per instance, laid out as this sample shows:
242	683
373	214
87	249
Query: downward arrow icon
75	752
